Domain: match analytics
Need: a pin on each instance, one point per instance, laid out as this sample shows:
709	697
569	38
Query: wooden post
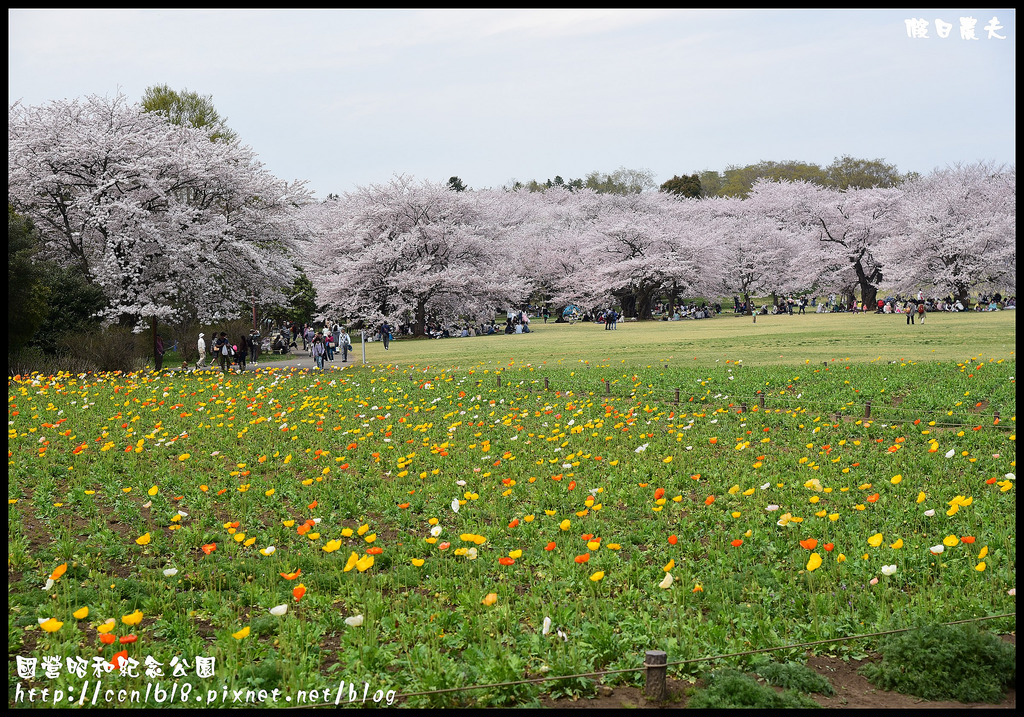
545	383
995	415
499	381
607	388
655	688
743	408
867	410
760	401
677	397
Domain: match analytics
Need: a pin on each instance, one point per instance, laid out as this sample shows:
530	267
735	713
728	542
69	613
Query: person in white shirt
201	345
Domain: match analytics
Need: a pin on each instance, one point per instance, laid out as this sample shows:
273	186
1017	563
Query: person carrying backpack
222	348
318	350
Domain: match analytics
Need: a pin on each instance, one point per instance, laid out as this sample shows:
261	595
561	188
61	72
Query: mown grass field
427	529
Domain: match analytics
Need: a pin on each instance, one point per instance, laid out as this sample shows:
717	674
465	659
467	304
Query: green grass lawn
773	340
414	524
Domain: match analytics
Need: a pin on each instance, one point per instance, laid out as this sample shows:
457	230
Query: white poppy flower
354	621
279	610
455	505
938	549
170	572
435	531
666	583
460	482
641	449
950	453
147	504
888	569
547	626
49	584
766	486
1010	476
471	554
269	550
930	512
772	508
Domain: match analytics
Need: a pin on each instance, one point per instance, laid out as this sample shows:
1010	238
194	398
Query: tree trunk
746	299
420	326
643	305
158	360
628	305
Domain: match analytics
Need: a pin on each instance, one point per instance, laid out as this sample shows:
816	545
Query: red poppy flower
809	544
659	494
298	592
550	546
672	540
990	481
967	539
209	548
128	639
506	560
829	547
572	485
514	523
736	543
107	639
583	558
586	536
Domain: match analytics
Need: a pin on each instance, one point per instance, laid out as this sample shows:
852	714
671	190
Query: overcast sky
343	98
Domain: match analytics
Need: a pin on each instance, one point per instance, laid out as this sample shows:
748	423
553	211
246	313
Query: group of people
325	344
229	353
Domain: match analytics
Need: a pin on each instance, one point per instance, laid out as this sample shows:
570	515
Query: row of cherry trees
170	221
408	250
178	222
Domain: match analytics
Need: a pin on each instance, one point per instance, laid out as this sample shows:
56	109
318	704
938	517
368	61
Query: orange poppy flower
128	639
58	571
736	543
672	540
514	523
809	544
829	547
118	657
291	576
550	546
709	500
967	539
209	548
572	485
990	481
312	505
444	546
374	550
506	561
107	639
403	506
583	558
298	592
873	498
586	536
659	494
305	528
222	491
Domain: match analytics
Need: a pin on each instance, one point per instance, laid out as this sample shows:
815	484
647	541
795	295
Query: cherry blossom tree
161	218
405	251
957	231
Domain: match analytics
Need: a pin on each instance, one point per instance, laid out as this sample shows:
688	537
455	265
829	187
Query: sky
348	98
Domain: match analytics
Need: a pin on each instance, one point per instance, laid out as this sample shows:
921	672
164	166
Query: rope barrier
645	665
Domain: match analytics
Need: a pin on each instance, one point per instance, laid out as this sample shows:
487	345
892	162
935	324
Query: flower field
422	529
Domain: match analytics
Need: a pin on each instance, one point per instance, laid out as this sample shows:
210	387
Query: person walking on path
201	345
241	351
920	313
255	344
908	308
345	342
385	334
318	350
222	347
